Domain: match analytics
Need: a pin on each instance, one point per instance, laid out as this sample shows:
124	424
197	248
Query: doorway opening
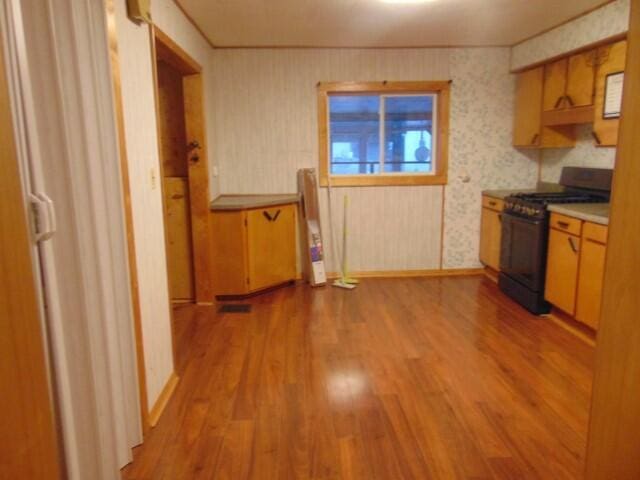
185	183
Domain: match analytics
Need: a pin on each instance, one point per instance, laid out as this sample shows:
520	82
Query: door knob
194	145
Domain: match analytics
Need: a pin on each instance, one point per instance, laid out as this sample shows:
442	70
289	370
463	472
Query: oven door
523	251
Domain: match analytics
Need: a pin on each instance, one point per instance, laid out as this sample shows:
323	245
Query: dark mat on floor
235	308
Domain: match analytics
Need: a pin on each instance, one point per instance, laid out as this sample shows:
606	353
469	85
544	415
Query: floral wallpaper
480	148
607	21
584	154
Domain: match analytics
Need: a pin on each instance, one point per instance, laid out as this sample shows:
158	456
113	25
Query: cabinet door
581	79
562	270
178	227
611	59
526	128
490	238
228	252
555	80
591	277
271	243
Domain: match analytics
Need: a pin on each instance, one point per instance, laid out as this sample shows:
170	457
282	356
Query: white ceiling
373	23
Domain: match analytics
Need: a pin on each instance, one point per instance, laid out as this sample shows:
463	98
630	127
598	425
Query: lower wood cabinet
591	276
562	270
253	249
491	232
575	267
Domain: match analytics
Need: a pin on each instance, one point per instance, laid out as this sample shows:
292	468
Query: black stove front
525	230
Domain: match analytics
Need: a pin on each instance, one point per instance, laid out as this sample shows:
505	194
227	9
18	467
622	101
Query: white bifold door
57	63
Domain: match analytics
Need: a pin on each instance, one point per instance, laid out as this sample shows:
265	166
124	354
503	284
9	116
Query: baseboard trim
491	274
453	272
573	326
163	399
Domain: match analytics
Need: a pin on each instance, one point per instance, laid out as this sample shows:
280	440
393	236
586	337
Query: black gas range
525	230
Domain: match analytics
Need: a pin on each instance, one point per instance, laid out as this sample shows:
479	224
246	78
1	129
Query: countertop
540	187
590	212
243	202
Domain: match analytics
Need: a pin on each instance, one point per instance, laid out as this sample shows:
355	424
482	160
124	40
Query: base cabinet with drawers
575	267
253	249
491	232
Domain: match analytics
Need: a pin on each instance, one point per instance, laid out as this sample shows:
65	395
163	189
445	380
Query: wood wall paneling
614	431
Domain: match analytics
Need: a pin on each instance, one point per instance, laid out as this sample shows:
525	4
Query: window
390	133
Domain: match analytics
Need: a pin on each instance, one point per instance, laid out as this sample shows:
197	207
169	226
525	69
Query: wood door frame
165	49
614	428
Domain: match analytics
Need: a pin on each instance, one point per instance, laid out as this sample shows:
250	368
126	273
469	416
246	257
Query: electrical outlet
214	170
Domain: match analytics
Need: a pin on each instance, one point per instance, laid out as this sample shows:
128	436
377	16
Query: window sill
382	180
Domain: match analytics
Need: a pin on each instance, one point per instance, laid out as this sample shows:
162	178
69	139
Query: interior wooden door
562	270
271	242
28	446
178	224
490	238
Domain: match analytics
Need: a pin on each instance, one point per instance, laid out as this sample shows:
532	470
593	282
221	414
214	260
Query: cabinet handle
492	204
269	217
596	138
558	102
573	246
534	140
563	225
500	217
571	104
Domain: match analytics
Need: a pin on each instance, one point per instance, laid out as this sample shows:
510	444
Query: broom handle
345	273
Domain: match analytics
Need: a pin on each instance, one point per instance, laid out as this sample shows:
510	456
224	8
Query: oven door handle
530	221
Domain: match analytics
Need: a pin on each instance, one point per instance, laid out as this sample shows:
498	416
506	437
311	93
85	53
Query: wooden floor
440	378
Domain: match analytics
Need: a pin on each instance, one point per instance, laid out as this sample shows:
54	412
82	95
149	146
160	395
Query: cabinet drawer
492	203
595	232
566	224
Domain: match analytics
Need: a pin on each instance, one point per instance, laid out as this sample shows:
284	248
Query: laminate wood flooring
415	378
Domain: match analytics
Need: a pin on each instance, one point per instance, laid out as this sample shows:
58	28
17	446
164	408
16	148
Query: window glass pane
408	123
354	122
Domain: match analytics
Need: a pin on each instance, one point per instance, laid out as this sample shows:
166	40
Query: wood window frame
438	177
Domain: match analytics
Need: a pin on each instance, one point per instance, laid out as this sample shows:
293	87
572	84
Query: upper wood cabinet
568	82
611	59
527	129
551	99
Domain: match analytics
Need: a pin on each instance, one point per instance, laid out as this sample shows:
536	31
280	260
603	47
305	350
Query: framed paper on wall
613	95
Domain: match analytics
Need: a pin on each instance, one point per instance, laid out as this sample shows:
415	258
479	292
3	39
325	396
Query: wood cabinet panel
228	253
581	79
562	270
567	224
492	203
590	282
490	238
526	130
612	60
179	246
271	246
555	81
